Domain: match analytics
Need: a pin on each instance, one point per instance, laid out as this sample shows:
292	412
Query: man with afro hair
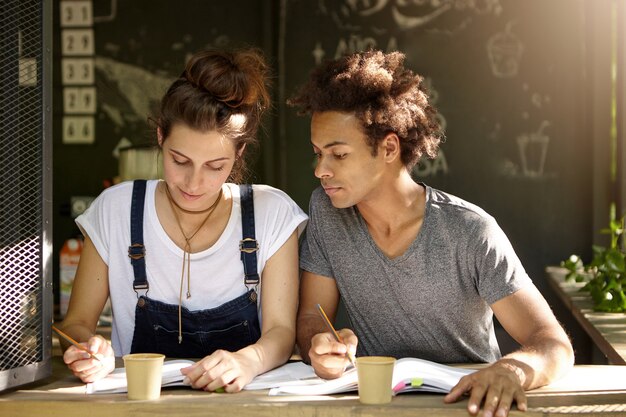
421	272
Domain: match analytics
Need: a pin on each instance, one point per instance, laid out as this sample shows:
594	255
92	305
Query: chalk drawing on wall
531	145
438	165
123	143
361	21
504	50
405	22
433	98
432	167
356	43
533	151
406	14
128	94
318	53
537	99
130	86
494	135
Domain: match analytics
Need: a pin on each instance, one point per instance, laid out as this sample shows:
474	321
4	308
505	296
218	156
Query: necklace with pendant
187	249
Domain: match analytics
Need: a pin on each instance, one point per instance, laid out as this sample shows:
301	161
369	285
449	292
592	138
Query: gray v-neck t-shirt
432	302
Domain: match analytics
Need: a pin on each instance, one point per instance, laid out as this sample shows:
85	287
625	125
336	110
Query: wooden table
607	330
588	390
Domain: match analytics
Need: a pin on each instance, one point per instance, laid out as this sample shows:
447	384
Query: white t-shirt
217	274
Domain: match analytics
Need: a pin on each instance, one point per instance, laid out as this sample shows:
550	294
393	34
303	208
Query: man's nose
322	169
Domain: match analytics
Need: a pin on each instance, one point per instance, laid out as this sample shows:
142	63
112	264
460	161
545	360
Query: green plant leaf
605	275
615	302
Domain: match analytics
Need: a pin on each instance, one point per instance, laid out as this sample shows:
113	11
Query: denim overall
230	326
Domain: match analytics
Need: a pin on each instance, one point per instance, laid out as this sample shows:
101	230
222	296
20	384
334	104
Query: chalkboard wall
508	77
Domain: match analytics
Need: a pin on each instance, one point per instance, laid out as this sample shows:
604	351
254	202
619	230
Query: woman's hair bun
237	78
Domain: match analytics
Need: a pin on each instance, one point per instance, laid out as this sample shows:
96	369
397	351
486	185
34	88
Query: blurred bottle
68	264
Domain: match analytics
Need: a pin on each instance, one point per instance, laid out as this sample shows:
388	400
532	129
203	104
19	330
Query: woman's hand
87	368
222	369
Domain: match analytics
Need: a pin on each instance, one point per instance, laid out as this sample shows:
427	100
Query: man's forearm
540	363
308	325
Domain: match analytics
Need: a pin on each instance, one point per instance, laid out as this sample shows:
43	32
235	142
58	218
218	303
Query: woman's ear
159	136
240	151
391	147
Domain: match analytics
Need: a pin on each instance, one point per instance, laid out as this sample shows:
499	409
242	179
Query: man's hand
499	386
329	357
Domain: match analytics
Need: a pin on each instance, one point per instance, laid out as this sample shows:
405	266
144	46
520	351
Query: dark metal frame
40	304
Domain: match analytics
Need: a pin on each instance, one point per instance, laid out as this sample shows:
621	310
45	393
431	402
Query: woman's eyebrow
222	158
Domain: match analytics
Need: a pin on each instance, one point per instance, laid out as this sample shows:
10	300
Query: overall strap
248	246
136	250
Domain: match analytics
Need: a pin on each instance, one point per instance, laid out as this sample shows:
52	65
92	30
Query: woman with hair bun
195	265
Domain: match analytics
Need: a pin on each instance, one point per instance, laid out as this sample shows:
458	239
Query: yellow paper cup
143	375
375	374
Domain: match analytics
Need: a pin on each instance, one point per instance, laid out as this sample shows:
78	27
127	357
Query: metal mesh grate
21	171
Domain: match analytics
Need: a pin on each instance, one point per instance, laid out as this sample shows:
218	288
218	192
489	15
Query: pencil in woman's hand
74	342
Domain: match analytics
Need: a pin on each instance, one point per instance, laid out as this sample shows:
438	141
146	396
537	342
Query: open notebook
297	378
295	372
409	374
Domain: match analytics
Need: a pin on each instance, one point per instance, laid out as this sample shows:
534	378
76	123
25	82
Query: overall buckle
248	245
136	251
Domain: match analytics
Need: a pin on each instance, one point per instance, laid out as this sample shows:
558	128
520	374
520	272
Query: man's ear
159	136
390	145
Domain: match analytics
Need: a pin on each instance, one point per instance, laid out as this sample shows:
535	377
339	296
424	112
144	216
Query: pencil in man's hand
334	332
74	342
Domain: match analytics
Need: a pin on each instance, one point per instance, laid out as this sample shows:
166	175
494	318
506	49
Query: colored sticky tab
412	383
399	387
416	382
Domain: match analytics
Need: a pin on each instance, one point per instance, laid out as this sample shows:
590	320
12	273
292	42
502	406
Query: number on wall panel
78	129
77	71
76	13
77	42
79	100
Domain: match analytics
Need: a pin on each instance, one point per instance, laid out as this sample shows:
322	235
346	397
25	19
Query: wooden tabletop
586	391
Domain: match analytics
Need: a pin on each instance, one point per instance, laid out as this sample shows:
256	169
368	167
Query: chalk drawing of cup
505	53
533	149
